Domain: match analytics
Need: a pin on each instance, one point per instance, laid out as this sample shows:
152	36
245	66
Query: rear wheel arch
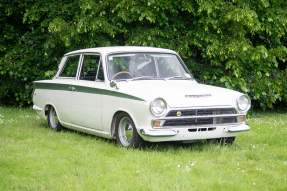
46	108
53	118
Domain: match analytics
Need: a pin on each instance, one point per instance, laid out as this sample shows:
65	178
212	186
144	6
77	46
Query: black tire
53	120
226	140
223	141
126	133
229	140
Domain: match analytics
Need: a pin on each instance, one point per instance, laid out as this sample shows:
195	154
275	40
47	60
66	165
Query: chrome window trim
62	66
82	61
63	61
79	66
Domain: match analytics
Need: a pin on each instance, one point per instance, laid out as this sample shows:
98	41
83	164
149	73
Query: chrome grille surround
201	112
199	117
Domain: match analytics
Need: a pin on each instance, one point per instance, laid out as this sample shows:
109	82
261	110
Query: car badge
198	96
178	113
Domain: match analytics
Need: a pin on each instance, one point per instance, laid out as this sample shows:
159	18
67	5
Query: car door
66	75
85	97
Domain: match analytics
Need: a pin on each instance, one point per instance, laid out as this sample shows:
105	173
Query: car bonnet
182	93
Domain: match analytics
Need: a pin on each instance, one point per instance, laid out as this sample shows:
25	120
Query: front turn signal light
241	119
158	123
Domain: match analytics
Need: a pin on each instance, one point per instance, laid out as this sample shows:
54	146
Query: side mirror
114	84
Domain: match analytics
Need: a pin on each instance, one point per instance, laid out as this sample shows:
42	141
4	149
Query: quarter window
71	66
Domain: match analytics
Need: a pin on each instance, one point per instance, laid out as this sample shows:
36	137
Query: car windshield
146	66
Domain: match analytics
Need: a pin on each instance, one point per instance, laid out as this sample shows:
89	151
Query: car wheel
53	120
223	141
126	133
226	140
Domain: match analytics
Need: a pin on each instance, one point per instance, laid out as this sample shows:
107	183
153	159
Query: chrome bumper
239	128
158	133
169	132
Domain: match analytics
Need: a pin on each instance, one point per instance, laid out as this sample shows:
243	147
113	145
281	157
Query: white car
137	94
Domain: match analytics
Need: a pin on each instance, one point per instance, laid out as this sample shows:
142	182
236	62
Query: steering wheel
122	72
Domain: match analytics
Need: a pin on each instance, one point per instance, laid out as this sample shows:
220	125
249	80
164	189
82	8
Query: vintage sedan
137	95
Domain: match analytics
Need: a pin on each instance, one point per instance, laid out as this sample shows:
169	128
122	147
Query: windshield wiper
143	77
172	77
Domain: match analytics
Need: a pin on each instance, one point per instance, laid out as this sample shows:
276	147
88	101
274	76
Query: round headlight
243	103
158	107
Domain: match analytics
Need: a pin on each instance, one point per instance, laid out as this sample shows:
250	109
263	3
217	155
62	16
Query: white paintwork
84	108
113	49
174	91
36	108
93	113
86	130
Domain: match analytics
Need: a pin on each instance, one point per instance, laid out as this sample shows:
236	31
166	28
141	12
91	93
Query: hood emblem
198	96
178	113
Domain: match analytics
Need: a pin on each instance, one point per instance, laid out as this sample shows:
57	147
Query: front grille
199	121
201	112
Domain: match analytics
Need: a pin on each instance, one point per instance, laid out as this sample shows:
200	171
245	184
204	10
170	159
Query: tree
236	44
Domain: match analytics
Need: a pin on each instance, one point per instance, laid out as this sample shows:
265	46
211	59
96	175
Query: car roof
114	49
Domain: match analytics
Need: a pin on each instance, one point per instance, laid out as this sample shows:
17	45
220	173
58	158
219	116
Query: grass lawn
33	157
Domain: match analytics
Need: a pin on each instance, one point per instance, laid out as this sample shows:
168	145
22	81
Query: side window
90	67
71	66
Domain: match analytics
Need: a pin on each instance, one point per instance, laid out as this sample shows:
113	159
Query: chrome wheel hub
125	131
53	118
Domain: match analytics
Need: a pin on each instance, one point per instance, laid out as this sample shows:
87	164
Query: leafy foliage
236	44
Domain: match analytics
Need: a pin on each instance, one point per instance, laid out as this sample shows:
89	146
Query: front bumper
158	133
172	132
239	128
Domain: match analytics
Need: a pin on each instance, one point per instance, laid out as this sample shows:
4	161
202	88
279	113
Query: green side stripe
65	87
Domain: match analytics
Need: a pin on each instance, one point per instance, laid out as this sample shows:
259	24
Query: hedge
237	44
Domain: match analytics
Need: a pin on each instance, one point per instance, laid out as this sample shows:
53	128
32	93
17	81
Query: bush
239	45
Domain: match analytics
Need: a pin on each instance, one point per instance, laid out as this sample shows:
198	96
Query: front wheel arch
113	123
118	131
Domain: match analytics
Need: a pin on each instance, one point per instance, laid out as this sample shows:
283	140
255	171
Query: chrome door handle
72	88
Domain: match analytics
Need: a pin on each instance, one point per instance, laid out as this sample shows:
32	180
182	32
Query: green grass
33	157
